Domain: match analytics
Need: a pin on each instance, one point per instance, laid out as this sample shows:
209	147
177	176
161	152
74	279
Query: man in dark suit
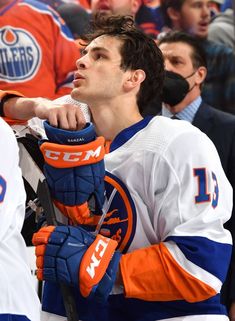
186	63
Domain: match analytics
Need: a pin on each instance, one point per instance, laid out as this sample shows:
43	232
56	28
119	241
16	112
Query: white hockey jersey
18	297
168	199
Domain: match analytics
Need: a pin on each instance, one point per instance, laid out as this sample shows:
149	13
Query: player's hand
74	169
72	255
66	116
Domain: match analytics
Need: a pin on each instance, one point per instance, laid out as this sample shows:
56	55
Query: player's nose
82	62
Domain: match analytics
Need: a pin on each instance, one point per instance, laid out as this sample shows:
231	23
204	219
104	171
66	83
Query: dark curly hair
138	51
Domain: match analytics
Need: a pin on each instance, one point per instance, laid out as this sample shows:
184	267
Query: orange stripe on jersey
66	156
152	274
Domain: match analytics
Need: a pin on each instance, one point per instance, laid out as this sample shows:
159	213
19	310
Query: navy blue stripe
211	256
13	317
119	308
7	7
44	7
127	133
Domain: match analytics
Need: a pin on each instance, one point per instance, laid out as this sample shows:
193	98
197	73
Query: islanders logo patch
120	220
20	55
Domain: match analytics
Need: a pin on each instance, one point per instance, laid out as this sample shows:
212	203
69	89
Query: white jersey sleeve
18	295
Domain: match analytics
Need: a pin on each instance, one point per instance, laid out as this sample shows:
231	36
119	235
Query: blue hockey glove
74	169
76	257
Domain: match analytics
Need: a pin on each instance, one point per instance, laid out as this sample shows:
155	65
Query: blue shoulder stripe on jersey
127	133
211	256
13	317
119	308
5	9
47	9
68	80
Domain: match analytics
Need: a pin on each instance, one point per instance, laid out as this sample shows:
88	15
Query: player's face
99	78
116	7
194	17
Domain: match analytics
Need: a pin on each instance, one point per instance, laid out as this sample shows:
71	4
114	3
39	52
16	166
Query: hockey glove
74	256
74	169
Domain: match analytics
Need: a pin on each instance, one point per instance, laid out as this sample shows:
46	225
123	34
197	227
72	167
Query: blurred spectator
37	50
221	28
184	56
147	14
194	17
227	4
149	17
53	3
215	7
116	7
56	3
75	17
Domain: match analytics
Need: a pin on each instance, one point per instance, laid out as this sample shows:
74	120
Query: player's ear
134	79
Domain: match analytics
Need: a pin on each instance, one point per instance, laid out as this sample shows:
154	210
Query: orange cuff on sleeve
152	274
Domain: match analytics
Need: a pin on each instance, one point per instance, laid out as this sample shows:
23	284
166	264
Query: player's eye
99	56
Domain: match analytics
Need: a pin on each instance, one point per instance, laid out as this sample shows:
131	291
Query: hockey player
161	252
37	50
19	300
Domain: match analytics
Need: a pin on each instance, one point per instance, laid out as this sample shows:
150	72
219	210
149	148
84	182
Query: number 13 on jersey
203	191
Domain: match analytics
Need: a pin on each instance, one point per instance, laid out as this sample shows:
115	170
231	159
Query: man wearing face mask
185	66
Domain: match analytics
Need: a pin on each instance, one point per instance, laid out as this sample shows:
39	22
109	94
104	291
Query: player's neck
111	121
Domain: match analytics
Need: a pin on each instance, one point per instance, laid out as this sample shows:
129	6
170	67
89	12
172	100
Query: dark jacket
220	128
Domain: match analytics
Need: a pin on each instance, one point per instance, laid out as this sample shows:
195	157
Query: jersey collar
129	132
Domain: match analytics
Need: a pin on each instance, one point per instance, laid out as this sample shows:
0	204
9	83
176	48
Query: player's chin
77	94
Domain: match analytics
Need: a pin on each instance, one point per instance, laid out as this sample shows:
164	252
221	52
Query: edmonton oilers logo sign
20	55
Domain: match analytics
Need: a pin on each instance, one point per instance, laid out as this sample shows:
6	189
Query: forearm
64	115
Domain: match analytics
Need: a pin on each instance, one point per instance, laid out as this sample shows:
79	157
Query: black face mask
175	88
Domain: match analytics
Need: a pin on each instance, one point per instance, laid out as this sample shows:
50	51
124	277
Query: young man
37	59
184	56
167	197
193	16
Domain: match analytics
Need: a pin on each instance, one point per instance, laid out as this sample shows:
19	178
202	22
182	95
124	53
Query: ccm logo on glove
99	251
95	263
65	156
72	157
